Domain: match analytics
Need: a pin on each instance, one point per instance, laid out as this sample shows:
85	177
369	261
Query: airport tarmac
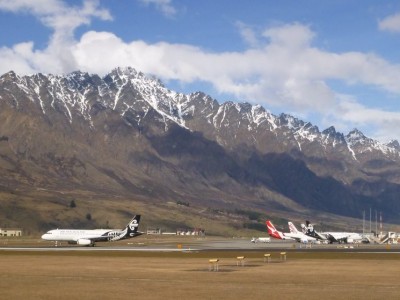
180	268
197	244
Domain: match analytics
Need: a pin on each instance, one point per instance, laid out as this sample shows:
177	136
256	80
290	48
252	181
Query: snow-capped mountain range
127	133
127	91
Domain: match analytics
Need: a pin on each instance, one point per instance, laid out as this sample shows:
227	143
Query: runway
93	249
205	245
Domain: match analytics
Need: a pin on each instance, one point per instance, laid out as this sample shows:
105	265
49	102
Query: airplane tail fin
133	226
310	228
310	231
292	228
303	228
131	230
272	231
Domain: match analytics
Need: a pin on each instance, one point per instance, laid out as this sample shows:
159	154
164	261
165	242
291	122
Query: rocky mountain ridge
130	92
127	133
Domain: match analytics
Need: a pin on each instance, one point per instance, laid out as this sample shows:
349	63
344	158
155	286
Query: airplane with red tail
293	235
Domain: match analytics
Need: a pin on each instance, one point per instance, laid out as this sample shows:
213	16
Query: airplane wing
319	236
290	236
297	239
94	237
337	236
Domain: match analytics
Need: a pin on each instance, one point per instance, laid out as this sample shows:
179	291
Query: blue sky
332	62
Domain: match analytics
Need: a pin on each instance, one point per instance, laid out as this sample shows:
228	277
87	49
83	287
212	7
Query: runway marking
99	249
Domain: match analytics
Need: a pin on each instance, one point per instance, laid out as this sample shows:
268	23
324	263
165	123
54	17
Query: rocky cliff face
126	133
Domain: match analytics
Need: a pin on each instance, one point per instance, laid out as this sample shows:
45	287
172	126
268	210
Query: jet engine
84	242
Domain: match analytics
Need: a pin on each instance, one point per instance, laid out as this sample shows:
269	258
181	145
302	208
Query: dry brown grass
127	275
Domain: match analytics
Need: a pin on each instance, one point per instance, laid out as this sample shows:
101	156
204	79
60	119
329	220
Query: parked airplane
300	236
87	237
275	233
310	231
343	237
287	236
261	240
332	237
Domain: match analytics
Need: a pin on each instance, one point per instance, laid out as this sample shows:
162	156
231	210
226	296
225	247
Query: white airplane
261	240
299	237
343	237
86	237
309	230
332	237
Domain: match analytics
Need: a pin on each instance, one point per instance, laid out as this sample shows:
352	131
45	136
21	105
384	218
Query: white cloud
291	36
56	14
164	6
248	34
383	123
390	23
63	19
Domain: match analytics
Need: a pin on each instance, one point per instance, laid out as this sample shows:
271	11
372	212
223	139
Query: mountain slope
126	135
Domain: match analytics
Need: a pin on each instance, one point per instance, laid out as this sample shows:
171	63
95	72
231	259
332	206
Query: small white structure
10	232
389	238
153	231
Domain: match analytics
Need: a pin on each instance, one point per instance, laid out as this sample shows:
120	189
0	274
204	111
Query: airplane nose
44	236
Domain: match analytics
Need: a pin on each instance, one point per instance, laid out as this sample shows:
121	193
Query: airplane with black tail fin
309	230
331	236
88	237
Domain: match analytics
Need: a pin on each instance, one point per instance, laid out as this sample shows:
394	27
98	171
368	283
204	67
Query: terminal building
194	231
10	232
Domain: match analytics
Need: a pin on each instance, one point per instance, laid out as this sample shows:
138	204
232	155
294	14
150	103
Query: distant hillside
125	142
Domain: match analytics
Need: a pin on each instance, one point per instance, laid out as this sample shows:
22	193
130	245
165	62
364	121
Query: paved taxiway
207	245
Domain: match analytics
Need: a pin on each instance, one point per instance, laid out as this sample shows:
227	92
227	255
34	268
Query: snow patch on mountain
133	93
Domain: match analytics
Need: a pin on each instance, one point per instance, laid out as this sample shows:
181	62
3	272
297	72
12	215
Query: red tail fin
272	230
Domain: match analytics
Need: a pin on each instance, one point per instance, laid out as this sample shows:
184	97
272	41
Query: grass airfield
111	274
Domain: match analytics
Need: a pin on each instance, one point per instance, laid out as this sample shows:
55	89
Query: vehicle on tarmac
88	237
261	240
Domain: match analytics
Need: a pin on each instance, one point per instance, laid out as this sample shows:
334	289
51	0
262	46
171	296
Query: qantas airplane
86	237
332	237
298	236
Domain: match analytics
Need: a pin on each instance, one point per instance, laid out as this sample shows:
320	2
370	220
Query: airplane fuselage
88	237
300	237
72	235
343	237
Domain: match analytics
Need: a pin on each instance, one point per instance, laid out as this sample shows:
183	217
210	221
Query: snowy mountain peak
356	136
394	144
133	95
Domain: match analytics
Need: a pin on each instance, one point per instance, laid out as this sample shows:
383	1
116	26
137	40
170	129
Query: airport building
194	231
10	232
153	231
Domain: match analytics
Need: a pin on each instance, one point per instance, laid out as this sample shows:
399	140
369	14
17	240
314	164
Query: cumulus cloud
384	124
56	14
248	34
164	6
63	20
390	23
